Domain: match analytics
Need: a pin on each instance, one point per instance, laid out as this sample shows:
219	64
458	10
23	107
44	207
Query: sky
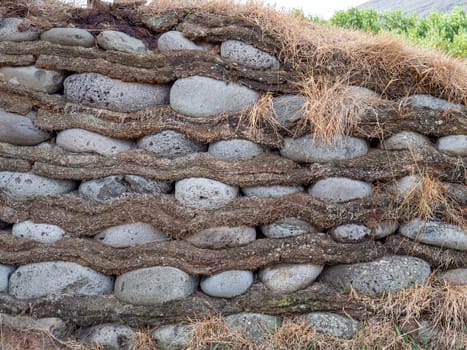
322	8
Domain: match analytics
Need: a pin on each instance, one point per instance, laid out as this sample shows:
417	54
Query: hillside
421	8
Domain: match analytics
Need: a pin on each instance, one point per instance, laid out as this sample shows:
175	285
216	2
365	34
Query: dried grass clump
143	341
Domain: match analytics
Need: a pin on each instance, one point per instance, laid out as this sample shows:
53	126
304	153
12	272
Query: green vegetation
442	31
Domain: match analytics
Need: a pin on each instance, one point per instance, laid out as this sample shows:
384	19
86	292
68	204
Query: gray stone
5	272
118	41
173	337
57	278
288	108
174	40
53	325
386	275
131	234
332	324
288	227
270	191
138	184
383	229
42	233
455	276
406	185
223	237
362	92
305	149
112	336
227	284
453	145
234	150
170	144
457	193
435	233
80	140
9	31
154	285
425	332
247	55
69	37
202	193
340	189
255	326
350	233
99	91
431	102
101	190
43	80
288	278
26	186
202	97
407	140
19	130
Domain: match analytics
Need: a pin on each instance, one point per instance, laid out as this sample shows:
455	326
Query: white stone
435	233
202	193
247	55
288	278
57	278
407	140
118	41
305	149
43	233
80	140
170	144
154	285
69	37
110	336
202	97
223	237
43	80
19	130
332	324
26	186
270	191
234	150
99	91
227	284
350	233
131	234
173	337
174	40
9	31
453	145
340	189
5	272
288	227
102	190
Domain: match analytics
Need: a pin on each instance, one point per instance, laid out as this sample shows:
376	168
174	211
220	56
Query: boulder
43	233
270	191
5	272
340	190
43	80
69	37
174	40
170	144
332	324
288	278
110	336
234	150
57	278
118	41
350	233
99	91
255	326
202	193
203	97
386	275
247	55
453	145
223	237
305	149
173	337
154	285
288	227
19	130
227	284
9	31
128	235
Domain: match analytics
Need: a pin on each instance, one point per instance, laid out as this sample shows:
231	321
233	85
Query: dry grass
143	341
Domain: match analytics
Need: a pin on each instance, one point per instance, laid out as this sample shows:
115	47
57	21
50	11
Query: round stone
19	130
170	144
453	145
57	278
138	184
5	272
234	150
305	149
174	40
202	193
350	233
223	237
110	336
202	97
288	108
431	102
173	337
227	284
154	285
9	31
340	190
128	235
69	37
455	276
288	227
248	56
270	191
43	80
101	190
42	233
118	41
255	326
288	278
407	140
332	324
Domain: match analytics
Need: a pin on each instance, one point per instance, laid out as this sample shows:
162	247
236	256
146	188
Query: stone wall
134	188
